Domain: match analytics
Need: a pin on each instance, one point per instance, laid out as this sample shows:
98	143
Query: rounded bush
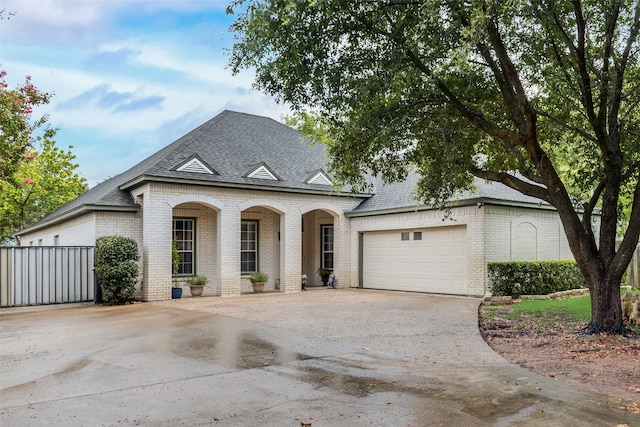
116	268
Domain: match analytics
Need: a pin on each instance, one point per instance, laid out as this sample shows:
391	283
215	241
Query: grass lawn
545	336
579	307
548	313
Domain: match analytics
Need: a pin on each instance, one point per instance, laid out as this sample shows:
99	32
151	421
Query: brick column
228	252
156	248
342	251
290	251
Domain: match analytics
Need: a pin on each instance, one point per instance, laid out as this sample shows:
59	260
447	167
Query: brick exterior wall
290	236
80	231
218	213
494	233
518	234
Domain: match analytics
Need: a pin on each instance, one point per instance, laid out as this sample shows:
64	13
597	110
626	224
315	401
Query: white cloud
124	90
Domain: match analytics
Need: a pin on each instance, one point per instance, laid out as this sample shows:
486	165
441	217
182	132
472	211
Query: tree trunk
606	307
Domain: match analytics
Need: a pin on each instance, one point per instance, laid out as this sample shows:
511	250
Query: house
242	193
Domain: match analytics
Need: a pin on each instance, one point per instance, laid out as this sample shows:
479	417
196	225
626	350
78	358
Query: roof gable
319	178
196	165
262	171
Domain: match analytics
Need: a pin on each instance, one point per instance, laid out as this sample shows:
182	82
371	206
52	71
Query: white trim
262	172
319	179
270	204
195	198
196	166
333	210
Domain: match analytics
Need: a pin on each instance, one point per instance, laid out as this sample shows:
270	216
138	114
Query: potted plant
196	284
324	273
258	279
176	290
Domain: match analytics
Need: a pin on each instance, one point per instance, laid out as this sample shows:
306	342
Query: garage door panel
436	263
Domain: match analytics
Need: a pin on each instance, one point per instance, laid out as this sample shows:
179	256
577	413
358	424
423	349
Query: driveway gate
46	275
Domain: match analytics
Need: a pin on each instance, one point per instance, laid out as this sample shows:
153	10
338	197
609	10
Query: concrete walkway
321	358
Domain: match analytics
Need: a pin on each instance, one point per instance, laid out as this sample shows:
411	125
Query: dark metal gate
37	275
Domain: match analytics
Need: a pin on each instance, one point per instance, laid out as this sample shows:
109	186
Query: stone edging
499	300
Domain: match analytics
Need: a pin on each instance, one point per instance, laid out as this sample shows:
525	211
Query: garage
419	260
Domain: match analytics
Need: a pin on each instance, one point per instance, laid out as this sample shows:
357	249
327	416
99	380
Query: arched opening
261	243
319	249
194	233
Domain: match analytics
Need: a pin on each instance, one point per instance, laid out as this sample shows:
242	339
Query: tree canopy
36	176
542	96
17	126
311	124
44	182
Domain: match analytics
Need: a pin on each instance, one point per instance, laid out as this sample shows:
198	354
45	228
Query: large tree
36	177
17	124
311	124
502	90
46	180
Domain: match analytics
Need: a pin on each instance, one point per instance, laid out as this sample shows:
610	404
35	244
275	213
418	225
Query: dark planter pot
176	293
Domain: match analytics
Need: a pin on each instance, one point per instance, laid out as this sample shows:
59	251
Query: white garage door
421	260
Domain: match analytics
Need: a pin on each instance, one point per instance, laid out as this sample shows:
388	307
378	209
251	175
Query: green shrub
116	268
515	278
196	280
258	277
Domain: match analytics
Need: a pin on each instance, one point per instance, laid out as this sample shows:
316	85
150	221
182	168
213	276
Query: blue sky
128	76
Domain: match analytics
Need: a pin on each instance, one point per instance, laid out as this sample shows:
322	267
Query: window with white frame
184	238
248	247
327	247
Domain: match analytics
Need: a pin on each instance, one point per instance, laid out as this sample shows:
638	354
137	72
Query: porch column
342	251
290	251
228	251
156	248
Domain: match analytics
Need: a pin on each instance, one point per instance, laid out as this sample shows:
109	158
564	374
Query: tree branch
567	126
590	206
477	119
522	112
511	181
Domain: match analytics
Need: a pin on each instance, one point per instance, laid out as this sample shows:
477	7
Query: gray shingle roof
398	196
234	144
231	143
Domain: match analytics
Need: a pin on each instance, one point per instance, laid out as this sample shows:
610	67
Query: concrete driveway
319	358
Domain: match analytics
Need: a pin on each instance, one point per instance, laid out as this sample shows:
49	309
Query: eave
479	201
74	213
144	179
